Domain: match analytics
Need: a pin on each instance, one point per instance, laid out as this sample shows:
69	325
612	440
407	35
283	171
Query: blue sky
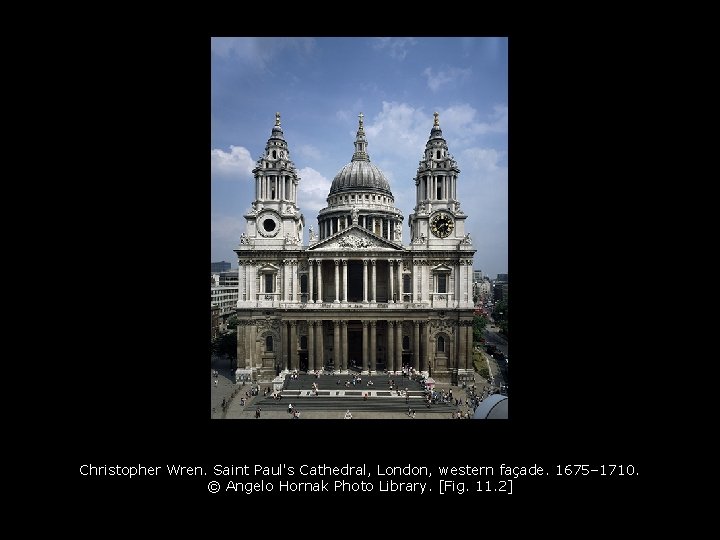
320	85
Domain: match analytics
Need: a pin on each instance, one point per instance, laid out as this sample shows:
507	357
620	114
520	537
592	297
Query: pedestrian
257	412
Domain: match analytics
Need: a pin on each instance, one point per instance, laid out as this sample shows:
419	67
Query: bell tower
275	221
437	221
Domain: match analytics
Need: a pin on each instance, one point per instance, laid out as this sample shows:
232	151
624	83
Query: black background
136	136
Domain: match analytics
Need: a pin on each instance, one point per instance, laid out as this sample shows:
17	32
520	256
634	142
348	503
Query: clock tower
274	221
437	222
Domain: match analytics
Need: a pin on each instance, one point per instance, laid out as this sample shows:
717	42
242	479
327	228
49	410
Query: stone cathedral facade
356	298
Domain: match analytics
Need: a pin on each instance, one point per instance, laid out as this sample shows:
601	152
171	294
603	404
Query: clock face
442	225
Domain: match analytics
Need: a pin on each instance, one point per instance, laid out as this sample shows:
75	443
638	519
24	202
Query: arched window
274	154
268	344
438	154
440	344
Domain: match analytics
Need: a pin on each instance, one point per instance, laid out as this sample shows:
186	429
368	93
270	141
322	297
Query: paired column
416	345
373	346
344	327
374	281
311	345
337	281
365	346
336	344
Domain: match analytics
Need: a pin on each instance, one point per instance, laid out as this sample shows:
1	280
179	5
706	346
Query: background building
356	297
222	266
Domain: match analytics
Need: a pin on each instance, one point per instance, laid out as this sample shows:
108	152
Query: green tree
232	322
479	324
500	314
225	344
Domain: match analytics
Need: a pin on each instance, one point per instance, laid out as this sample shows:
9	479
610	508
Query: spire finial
360	116
277	119
437	121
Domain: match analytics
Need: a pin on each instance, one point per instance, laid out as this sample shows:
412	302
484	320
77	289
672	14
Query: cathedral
356	298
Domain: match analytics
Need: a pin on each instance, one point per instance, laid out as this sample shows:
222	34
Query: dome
360	176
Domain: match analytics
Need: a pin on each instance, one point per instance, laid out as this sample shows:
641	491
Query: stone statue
398	232
244	240
311	232
421	208
466	239
354	214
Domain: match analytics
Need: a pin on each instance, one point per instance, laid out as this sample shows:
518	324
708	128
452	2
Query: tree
225	344
232	322
500	314
479	324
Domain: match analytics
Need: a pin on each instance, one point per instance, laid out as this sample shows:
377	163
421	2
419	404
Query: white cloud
399	130
435	81
312	193
309	151
234	165
398	48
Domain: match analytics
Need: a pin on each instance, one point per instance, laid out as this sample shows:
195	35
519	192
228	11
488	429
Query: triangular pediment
355	238
441	268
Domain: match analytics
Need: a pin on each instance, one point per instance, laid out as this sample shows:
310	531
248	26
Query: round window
269	225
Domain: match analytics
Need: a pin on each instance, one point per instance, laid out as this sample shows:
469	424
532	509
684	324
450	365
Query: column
311	272
426	348
391	264
337	352
416	281
283	344
241	328
284	290
319	272
398	345
337	281
469	282
344	345
319	350
344	279
365	281
365	347
374	281
416	344
293	345
373	346
311	345
391	346
469	347
462	344
295	281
